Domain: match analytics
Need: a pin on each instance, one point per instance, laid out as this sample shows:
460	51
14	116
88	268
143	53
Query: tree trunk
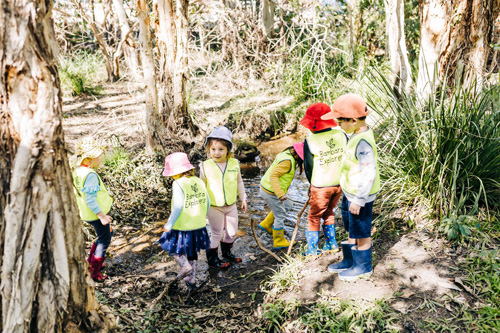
352	14
128	43
44	277
455	40
113	73
268	8
155	128
172	43
396	45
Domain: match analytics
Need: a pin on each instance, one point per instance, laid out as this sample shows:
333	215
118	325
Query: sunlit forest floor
418	281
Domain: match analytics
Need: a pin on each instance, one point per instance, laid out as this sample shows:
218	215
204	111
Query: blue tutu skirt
185	242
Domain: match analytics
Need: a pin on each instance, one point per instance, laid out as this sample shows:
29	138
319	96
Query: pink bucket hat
176	163
299	149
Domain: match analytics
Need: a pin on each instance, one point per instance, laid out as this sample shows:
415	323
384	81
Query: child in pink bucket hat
323	152
185	233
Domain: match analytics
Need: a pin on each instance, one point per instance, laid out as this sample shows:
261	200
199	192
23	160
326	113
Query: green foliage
481	312
329	314
82	73
441	154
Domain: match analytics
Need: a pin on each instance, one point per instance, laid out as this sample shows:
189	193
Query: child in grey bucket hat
220	132
222	176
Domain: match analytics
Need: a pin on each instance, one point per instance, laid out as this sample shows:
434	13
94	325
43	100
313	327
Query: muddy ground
413	268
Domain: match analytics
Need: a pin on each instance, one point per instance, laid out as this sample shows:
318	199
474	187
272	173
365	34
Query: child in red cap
323	151
185	232
360	183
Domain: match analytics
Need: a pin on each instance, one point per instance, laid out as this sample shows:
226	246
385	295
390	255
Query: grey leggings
279	209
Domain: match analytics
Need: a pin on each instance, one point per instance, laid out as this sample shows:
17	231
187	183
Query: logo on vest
332	155
198	198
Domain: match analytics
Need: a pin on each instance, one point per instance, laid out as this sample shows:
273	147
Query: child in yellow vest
221	174
94	202
360	181
185	233
274	187
323	151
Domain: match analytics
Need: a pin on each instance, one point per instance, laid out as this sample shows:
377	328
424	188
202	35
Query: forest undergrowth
440	176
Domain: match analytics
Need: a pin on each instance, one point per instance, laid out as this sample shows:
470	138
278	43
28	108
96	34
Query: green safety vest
222	186
327	149
349	174
103	199
194	210
286	179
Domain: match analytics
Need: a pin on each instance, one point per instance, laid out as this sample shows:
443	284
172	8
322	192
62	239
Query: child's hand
283	198
166	230
105	219
244	206
354	209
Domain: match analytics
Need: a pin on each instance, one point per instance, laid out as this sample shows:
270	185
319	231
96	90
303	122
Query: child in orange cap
185	233
323	151
360	183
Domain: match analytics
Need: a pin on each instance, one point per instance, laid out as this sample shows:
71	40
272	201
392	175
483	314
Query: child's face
96	162
348	125
218	152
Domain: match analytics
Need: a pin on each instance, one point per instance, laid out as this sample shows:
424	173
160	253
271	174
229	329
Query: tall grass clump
82	73
442	154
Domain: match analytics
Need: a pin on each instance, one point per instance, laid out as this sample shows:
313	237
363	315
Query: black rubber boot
214	261
226	252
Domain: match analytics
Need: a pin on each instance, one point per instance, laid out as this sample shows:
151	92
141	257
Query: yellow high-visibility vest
286	179
327	149
194	210
222	186
103	198
350	172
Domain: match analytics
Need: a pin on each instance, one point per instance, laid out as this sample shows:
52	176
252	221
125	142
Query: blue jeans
358	226
104	234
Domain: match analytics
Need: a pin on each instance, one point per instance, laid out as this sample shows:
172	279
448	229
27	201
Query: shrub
82	73
442	154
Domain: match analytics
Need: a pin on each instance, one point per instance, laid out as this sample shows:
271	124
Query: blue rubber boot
361	268
312	238
331	245
346	262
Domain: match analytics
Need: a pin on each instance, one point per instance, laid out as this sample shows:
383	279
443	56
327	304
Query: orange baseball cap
348	106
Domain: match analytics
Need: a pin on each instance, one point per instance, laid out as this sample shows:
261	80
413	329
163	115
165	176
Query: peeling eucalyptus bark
44	278
455	40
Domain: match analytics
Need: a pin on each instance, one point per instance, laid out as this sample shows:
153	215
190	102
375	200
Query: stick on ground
296	228
260	245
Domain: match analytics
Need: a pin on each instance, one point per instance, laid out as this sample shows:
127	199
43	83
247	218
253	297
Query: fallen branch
165	290
295	231
260	245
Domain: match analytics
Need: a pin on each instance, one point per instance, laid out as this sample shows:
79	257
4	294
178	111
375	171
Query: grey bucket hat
220	132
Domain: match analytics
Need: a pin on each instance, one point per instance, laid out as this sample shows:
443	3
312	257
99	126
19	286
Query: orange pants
322	202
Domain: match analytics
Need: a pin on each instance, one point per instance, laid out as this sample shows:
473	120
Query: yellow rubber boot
279	239
267	224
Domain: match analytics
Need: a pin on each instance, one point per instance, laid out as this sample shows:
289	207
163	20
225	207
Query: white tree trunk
352	15
129	47
396	45
268	8
153	117
44	277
